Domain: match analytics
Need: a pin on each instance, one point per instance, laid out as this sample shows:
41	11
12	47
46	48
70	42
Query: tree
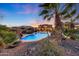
50	10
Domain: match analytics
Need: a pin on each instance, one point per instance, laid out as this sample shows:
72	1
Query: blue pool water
35	36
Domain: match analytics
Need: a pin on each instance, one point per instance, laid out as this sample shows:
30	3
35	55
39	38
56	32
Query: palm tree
50	10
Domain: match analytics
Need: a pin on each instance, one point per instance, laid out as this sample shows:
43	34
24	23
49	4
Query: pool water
35	36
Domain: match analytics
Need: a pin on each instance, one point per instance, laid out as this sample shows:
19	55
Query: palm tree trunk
58	28
58	23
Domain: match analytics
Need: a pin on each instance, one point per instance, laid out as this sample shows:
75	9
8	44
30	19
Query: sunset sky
18	14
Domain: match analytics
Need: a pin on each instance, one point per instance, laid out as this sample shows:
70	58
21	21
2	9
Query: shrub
3	27
8	37
73	34
2	44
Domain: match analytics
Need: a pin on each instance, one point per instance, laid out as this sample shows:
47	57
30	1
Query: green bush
8	37
3	27
72	33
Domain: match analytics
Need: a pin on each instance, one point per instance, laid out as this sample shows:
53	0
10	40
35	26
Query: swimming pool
34	37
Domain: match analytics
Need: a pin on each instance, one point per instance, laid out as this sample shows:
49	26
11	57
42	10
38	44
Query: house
45	27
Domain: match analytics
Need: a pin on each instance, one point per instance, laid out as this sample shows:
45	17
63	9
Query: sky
19	14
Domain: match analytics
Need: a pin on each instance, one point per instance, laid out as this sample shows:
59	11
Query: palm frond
74	20
54	5
49	18
43	12
63	12
45	5
77	17
69	6
66	16
46	16
73	12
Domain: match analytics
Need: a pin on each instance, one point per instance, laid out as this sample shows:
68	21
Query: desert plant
8	37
